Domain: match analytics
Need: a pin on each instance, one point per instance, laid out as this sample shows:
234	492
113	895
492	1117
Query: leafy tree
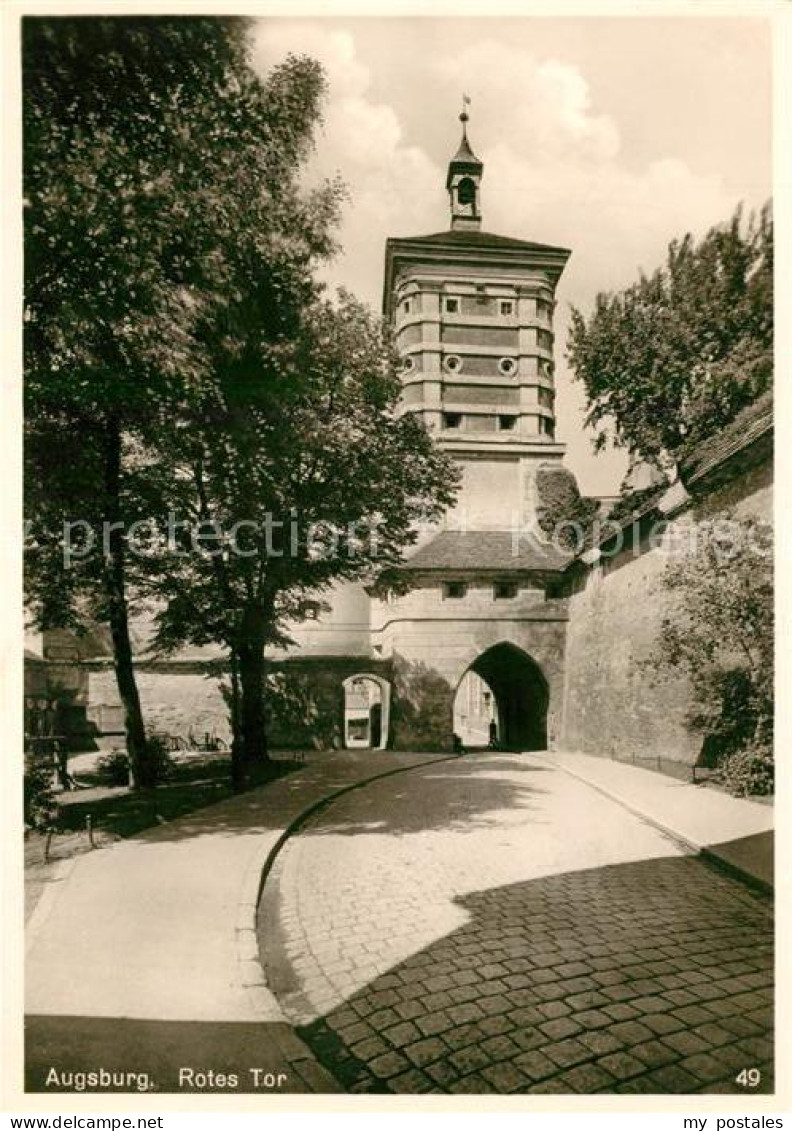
145	142
721	634
180	353
675	356
302	474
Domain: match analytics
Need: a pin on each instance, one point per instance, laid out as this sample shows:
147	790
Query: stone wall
306	701
614	705
173	702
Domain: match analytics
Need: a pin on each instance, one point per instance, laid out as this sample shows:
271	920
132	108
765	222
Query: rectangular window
507	423
507	307
406	306
454	590
452	419
504	590
452	306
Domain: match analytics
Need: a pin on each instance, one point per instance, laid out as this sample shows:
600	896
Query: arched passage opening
366	711
504	687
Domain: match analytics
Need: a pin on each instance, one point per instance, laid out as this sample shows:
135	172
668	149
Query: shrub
39	801
161	761
113	768
749	772
720	635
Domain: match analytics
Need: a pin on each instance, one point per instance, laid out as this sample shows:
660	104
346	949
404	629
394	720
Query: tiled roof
471	238
466	247
488	550
749	425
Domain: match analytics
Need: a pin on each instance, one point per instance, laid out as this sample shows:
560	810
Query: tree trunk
236	729
142	770
250	737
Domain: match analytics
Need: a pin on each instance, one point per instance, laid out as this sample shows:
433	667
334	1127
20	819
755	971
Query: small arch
518	703
367	699
466	191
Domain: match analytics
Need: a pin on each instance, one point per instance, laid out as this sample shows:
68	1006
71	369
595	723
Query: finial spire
464	117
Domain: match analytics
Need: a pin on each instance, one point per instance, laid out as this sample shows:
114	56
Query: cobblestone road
493	925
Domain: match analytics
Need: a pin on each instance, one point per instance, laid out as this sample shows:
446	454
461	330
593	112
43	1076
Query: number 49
749	1077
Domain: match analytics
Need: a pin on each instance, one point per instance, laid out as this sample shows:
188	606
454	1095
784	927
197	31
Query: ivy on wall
560	508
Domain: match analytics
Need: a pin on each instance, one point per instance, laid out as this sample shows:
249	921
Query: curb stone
250	971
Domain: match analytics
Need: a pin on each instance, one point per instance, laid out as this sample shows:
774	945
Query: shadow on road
481	786
648	977
464	794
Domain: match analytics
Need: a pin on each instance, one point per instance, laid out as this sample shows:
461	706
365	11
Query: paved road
494	925
161	968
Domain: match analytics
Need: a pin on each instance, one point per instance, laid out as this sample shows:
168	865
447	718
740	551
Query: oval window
453	363
408	364
507	366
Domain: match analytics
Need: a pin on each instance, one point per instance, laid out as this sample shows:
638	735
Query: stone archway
367	700
520	693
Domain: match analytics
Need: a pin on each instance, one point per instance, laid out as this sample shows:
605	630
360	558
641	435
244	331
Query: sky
609	136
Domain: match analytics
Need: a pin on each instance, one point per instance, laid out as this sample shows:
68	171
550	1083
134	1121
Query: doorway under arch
509	689
366	711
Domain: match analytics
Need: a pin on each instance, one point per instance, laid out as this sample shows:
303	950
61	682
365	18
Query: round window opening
507	366
408	364
453	363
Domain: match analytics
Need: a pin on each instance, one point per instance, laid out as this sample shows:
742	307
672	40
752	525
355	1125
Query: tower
475	638
473	318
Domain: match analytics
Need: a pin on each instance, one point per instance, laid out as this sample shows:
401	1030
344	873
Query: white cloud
557	172
363	141
541	106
